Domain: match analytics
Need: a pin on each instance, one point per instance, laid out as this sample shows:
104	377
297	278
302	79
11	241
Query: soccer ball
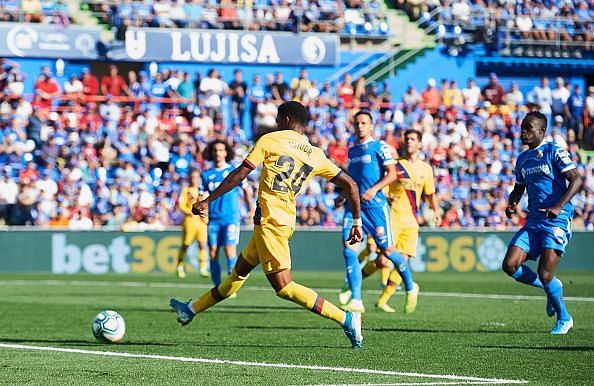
108	327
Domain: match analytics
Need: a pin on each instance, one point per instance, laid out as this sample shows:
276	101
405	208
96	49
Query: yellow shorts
193	228
269	246
406	239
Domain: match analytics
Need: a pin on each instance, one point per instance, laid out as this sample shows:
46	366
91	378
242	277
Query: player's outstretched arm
514	197
389	177
575	185
349	186
231	181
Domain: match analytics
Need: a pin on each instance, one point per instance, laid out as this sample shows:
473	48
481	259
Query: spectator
471	95
431	97
46	89
541	96
411	97
574	111
300	85
514	97
213	89
113	84
90	82
559	97
238	89
280	89
493	92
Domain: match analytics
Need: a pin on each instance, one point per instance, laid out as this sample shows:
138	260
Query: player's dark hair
538	115
363	112
414	131
294	111
209	151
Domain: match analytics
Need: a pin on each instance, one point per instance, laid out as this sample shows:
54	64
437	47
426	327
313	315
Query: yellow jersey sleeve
185	205
326	168
429	187
258	153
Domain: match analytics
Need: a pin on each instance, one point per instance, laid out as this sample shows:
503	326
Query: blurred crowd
35	11
109	150
563	23
357	17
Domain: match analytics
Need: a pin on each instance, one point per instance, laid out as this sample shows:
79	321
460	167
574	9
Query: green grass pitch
451	333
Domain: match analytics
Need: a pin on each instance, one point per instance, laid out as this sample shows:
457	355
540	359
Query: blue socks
401	265
215	272
354	274
527	276
554	291
230	264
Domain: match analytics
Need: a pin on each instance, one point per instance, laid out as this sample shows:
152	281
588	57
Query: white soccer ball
108	327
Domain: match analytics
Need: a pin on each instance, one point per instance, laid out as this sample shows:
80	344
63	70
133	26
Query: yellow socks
202	259
364	254
309	299
393	281
384	275
369	269
395	278
181	256
227	288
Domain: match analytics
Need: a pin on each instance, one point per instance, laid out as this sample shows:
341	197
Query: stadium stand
524	28
35	11
353	17
114	150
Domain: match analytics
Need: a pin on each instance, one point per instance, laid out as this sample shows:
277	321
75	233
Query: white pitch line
105	283
417	383
263	364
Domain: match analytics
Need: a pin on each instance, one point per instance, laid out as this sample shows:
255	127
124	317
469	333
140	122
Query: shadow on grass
383	329
75	342
544	348
297	328
275	346
441	331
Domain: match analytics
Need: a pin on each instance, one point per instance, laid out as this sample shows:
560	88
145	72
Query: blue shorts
534	239
222	234
376	223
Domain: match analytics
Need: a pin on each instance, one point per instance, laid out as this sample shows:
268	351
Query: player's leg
188	237
525	243
553	241
547	267
353	269
368	268
202	238
230	241
214	231
246	262
286	288
405	242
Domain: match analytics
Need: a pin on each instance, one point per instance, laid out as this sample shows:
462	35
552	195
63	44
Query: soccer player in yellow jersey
415	178
193	227
289	162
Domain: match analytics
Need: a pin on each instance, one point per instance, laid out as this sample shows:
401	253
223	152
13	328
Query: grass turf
479	337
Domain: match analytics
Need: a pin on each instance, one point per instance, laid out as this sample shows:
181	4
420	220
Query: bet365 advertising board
99	252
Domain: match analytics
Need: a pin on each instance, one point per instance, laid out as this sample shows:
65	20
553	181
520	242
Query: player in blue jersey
224	212
371	165
543	171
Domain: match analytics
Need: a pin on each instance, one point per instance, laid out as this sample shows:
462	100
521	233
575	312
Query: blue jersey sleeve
385	154
203	189
562	159
518	171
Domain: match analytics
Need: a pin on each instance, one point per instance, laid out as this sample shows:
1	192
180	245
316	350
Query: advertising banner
48	41
216	46
99	252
